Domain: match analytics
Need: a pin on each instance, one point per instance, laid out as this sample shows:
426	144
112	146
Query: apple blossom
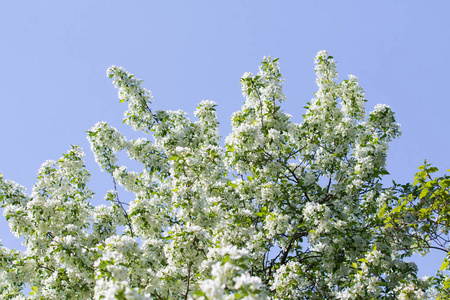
282	210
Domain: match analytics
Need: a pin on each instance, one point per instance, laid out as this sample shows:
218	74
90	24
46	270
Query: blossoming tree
283	210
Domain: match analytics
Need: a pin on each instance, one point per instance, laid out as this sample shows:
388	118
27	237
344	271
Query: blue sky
54	54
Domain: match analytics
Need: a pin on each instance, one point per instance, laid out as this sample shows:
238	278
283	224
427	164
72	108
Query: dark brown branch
295	237
188	278
121	206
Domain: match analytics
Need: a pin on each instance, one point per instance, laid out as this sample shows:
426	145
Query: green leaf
423	193
445	183
447	283
424	211
382	211
199	293
225	259
384	172
433	170
444	264
34	289
397	209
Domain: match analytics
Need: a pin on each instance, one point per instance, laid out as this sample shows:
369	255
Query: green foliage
420	220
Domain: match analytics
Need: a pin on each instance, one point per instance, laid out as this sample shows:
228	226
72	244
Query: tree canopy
279	210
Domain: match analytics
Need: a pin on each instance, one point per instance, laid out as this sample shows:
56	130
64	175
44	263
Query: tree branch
121	206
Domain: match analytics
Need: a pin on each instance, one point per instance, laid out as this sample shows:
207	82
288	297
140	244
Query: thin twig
123	209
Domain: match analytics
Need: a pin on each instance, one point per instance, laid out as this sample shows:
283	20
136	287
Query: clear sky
54	54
